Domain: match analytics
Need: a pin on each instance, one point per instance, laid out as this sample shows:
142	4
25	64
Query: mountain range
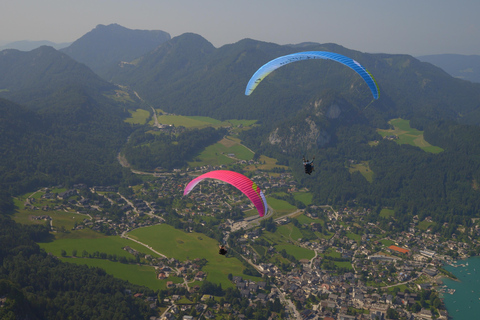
26	45
303	107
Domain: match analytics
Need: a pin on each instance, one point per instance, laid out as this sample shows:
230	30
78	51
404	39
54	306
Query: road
292	310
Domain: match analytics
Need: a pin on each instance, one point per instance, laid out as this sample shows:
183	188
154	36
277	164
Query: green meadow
387	213
182	246
138	116
217	154
298	252
201	122
281	207
108	244
136	274
266	163
408	135
363	168
304	197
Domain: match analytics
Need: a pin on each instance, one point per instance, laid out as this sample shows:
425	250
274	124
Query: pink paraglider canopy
239	181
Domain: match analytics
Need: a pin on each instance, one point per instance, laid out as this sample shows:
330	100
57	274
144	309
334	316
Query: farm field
408	135
266	164
304	197
298	252
139	116
363	168
217	154
136	274
281	207
107	244
182	246
199	122
387	213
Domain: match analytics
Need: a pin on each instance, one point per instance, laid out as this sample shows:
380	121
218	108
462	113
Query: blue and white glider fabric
267	68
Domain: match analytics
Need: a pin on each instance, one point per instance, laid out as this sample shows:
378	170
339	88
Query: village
389	275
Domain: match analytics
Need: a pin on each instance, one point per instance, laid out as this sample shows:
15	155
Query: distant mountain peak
106	45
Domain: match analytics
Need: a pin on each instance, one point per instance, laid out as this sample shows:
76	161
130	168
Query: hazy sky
415	27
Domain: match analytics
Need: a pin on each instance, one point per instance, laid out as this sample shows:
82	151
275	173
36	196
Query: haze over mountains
187	75
460	66
63	115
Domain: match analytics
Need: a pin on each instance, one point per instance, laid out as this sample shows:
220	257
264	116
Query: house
399	250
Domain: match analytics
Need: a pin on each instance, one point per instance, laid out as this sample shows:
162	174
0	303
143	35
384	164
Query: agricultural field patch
281	207
387	213
136	274
138	116
298	252
363	168
226	151
404	134
199	122
304	197
182	246
108	244
387	243
266	164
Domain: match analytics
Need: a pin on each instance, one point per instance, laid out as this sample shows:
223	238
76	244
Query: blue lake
465	302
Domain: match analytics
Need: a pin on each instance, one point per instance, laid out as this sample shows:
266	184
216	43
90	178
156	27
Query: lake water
465	302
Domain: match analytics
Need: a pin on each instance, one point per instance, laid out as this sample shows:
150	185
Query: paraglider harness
308	165
222	250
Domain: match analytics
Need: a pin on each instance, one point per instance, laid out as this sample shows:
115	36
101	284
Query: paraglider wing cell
239	181
267	68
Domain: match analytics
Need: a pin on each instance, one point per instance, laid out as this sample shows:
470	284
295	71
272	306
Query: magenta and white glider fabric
239	181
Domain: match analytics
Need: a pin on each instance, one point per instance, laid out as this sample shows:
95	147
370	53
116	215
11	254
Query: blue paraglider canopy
269	67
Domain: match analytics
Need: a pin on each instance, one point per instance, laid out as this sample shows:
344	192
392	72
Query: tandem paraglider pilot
222	250
308	165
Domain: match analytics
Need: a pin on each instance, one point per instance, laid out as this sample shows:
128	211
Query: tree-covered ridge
148	151
187	75
71	143
39	286
30	77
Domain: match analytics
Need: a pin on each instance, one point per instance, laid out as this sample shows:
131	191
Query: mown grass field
387	213
298	252
408	135
139	116
304	197
182	246
266	163
108	244
363	168
201	122
136	274
281	207
217	154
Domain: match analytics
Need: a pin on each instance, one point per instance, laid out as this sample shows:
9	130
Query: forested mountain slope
188	75
105	46
66	125
29	77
